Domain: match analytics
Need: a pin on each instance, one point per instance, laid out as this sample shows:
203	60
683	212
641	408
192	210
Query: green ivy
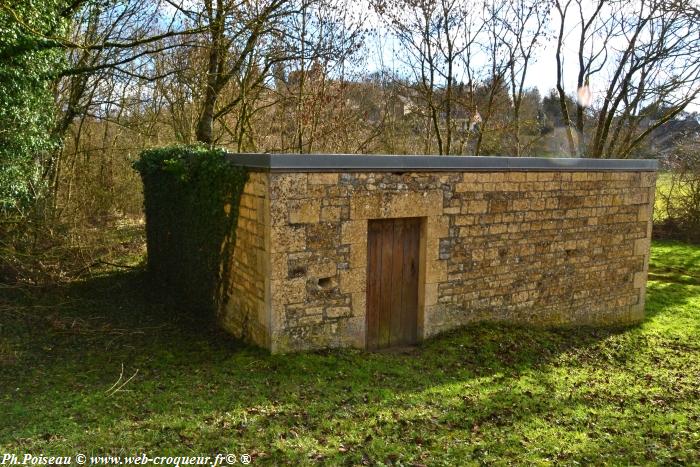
28	67
191	198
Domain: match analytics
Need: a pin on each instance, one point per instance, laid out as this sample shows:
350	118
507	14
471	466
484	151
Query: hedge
191	198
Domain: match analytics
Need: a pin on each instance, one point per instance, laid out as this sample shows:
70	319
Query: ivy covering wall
191	198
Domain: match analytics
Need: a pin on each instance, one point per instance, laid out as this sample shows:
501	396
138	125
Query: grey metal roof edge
400	163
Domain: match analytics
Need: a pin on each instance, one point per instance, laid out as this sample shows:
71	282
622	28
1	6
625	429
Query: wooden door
392	282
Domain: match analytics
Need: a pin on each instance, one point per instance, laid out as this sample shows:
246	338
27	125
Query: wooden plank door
392	282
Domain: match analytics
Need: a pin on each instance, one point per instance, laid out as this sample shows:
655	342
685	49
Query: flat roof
396	163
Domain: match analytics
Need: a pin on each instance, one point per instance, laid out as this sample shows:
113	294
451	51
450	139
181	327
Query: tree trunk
205	126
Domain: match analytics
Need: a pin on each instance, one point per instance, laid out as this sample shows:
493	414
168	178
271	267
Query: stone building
380	251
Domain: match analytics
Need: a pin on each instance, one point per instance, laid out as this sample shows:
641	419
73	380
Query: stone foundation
545	247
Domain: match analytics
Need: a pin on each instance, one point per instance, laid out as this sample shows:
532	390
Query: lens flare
584	96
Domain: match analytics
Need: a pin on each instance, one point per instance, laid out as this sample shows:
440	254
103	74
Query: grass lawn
663	186
485	394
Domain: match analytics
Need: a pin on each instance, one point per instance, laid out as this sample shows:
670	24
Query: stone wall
549	248
317	297
245	312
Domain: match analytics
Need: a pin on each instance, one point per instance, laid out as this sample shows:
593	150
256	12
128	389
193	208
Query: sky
542	71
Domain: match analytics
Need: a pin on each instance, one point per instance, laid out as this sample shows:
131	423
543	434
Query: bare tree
645	55
105	42
434	35
499	62
235	31
325	37
525	28
655	77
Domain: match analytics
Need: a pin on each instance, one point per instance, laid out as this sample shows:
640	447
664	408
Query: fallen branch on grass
116	387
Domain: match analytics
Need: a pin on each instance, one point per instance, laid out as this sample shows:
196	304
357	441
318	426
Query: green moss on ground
485	394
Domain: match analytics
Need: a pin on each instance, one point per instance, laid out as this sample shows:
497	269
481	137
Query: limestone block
365	206
304	211
490	254
323	178
507	186
286	291
516	176
495	229
378	205
641	246
431	294
330	213
354	231
465	220
498	205
432	248
538	204
475	207
249	188
358	255
644	213
436	271
279	212
521	204
345	201
359	303
346	332
322	236
337	191
438	226
401	205
316	191
247	201
353	280
287	238
338	311
648	179
309	320
325	268
288	186
411	204
477	255
640	279
245	212
261	311
256	186
636	312
469	186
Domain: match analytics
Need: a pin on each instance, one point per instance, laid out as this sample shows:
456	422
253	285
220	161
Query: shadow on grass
677	262
105	362
120	311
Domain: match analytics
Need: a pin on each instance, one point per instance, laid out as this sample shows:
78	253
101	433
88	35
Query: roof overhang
407	163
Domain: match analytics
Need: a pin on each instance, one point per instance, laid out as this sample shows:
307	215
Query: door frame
421	260
381	204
